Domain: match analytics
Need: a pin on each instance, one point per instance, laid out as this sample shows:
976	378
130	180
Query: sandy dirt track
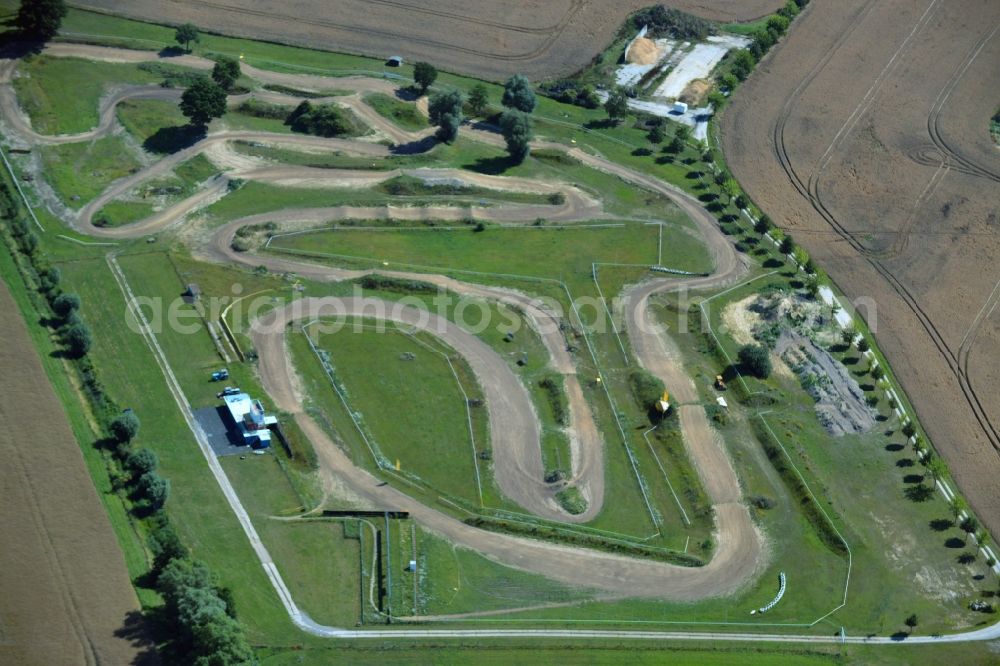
541	39
65	595
866	134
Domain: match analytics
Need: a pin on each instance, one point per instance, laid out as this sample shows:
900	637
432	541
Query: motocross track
866	134
486	39
739	553
66	594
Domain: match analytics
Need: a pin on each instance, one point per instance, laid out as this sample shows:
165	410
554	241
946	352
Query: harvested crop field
866	134
487	39
65	596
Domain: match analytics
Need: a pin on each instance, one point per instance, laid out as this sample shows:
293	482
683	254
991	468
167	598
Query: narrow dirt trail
739	553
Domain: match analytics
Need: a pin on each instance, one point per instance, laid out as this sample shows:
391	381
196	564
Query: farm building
249	417
394	61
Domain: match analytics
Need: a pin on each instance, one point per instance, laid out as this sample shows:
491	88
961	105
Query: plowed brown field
539	38
866	133
65	596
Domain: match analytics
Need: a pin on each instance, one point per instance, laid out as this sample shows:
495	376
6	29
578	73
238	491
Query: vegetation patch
556	395
571	499
550	533
78	172
401	113
664	21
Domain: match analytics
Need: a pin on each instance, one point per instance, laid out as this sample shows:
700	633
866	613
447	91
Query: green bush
756	360
667	22
572	500
646	387
553	386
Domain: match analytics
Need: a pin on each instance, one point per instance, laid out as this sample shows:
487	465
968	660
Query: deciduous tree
186	35
445	111
424	75
202	102
616	105
478	99
226	71
516	128
40	19
518	94
125	427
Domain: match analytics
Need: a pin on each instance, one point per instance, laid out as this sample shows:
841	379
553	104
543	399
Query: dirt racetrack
866	133
487	39
65	596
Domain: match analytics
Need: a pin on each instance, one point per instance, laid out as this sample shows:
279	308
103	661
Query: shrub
756	360
571	499
323	120
646	387
553	387
258	109
743	64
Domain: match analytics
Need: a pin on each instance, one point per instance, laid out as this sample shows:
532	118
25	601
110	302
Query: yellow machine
719	383
663	404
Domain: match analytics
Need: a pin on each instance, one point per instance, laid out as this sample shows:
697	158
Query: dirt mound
695	92
840	402
642	52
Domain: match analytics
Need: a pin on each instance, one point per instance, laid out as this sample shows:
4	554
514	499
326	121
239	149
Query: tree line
198	621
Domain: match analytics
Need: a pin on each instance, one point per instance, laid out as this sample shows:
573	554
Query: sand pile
642	52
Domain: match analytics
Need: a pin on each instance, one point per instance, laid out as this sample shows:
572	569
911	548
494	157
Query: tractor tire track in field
550	34
810	191
740	551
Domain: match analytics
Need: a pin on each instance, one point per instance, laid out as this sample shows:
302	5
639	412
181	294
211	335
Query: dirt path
66	595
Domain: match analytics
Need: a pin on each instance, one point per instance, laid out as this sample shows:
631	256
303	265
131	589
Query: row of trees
446	110
199	634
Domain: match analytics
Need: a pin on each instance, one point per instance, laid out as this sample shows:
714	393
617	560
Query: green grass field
151	119
556	253
410	402
402	113
78	172
61	95
157	194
